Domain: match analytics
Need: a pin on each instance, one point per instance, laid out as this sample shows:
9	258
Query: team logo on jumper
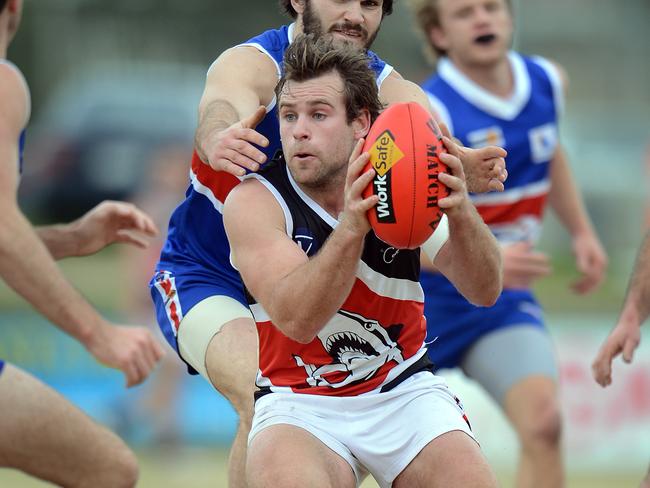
489	136
307	242
543	141
358	346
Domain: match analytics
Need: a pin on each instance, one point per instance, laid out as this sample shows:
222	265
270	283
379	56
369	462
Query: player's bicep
261	250
242	77
14	101
396	89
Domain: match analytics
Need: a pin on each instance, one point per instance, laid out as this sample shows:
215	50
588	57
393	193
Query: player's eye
289	117
319	116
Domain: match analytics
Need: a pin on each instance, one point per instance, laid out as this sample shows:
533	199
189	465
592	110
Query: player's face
355	21
473	31
317	139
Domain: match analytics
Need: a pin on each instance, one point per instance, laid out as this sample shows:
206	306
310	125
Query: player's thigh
289	456
45	435
505	357
451	460
218	337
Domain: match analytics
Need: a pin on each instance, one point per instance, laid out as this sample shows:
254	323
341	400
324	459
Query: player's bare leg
290	457
532	407
452	460
46	436
231	361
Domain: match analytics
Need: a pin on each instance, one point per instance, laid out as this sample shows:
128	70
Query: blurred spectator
158	194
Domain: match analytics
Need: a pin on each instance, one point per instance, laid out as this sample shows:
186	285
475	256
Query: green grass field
199	467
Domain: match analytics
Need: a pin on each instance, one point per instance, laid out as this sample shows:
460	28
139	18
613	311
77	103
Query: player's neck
496	78
329	198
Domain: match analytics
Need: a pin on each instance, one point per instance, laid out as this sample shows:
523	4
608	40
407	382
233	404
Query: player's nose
354	13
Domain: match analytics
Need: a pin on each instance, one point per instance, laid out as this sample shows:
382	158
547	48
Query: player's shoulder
554	70
250	193
14	96
397	89
247	61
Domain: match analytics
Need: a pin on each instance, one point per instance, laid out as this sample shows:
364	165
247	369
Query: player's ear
298	6
437	38
361	124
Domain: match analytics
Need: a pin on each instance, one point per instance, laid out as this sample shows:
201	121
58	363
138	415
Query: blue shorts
2	365
176	289
454	324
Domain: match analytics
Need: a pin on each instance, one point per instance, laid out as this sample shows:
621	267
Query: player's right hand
522	265
133	350
624	338
354	216
232	150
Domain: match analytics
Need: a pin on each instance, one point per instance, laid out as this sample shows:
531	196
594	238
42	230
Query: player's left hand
454	180
111	222
485	168
591	262
624	338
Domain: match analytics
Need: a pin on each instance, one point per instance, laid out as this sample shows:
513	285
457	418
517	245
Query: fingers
445	130
492	152
127	216
356	152
602	369
255	118
235	152
126	237
628	350
495	185
451	146
143	358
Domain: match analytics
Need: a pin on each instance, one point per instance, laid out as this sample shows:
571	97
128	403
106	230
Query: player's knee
544	428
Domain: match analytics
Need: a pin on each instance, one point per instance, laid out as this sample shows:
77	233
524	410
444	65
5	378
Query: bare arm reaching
107	223
239	85
28	268
565	199
625	337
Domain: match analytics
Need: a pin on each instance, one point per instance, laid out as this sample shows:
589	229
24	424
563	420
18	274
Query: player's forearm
59	240
637	301
475	256
565	198
214	116
306	299
26	267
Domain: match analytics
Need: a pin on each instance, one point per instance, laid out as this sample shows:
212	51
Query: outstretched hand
233	149
133	350
624	338
454	180
111	222
485	168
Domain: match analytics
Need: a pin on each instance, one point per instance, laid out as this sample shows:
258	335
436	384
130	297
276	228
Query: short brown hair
387	8
309	57
427	17
2	5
